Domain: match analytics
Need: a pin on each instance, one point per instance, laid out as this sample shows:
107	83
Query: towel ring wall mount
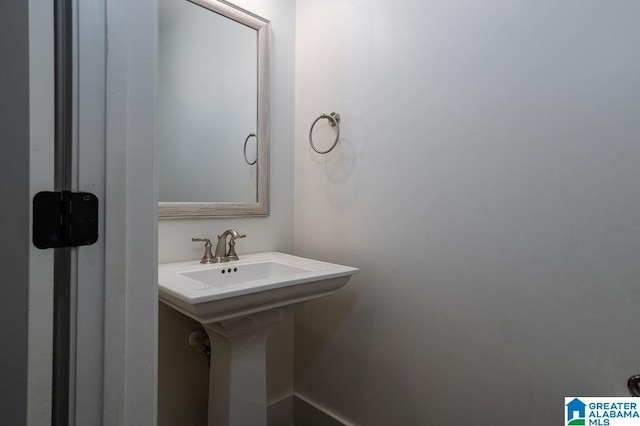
334	121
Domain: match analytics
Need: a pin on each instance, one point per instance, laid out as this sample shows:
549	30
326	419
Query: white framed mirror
213	110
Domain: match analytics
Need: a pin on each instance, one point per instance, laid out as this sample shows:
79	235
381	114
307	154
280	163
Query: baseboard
297	410
280	413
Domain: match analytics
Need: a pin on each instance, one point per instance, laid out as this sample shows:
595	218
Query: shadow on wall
183	379
316	322
341	170
320	327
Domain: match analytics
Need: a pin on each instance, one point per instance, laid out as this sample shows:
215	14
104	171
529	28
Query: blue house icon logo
575	412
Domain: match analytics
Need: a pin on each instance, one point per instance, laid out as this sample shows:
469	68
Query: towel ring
245	149
334	121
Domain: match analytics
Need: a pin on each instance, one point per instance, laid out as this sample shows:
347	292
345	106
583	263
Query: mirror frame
181	210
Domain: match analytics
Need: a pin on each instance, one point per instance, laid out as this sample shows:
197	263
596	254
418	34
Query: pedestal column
237	376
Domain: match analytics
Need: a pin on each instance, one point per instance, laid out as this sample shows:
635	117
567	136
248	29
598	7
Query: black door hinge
64	219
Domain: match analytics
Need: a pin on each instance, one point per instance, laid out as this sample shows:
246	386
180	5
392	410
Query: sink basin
257	282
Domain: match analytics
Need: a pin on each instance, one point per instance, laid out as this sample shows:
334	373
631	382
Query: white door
112	365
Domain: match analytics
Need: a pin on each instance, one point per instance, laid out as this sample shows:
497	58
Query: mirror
213	110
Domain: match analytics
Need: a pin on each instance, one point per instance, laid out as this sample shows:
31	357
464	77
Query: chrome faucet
221	254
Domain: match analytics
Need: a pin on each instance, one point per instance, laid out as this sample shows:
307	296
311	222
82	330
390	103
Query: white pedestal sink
238	302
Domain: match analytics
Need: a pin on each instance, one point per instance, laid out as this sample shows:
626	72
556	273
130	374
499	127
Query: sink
215	292
238	303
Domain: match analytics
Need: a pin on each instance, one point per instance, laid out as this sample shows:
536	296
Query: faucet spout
222	253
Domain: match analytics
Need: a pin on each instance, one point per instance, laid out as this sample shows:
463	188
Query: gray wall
486	183
14	217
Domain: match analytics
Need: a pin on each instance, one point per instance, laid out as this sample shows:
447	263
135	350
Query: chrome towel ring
245	149
334	121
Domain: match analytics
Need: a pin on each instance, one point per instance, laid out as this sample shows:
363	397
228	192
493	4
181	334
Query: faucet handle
208	257
232	255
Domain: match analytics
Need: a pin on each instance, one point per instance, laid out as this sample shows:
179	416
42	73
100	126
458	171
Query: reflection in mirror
212	96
